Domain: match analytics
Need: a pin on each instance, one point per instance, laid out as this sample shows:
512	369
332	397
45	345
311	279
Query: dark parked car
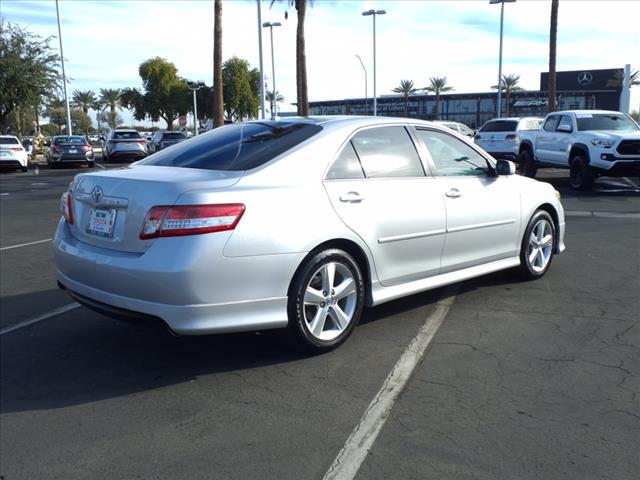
70	149
161	140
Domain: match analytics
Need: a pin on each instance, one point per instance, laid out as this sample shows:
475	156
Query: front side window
452	157
346	166
565	121
237	147
551	124
387	152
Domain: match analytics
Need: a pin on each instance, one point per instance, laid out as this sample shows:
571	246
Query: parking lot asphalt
523	380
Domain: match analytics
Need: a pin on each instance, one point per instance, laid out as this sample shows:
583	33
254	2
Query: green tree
55	112
110	119
28	71
242	100
509	85
437	85
83	100
218	92
406	88
301	56
274	100
110	98
553	35
80	121
618	78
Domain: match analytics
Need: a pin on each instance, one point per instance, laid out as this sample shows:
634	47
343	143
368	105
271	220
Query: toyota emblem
96	194
585	78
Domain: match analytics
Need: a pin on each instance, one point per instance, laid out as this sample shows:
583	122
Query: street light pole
501	2
366	14
273	68
262	111
194	87
64	76
365	81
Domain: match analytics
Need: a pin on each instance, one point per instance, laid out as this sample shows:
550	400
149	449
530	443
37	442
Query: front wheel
536	252
581	175
325	300
527	164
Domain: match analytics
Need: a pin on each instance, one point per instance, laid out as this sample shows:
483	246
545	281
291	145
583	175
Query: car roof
588	112
8	136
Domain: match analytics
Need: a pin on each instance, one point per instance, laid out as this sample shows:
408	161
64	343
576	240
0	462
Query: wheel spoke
533	240
540	260
532	256
328	276
345	289
317	324
313	296
339	317
547	241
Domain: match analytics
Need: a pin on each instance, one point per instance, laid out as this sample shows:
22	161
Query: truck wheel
527	164
581	175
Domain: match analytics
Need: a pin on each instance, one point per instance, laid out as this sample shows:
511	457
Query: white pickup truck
590	143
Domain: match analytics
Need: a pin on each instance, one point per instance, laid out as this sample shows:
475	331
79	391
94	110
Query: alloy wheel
540	245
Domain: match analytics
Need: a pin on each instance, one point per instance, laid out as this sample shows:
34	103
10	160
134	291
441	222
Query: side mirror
505	167
564	128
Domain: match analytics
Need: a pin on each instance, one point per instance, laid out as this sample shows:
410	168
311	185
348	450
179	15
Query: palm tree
406	89
509	85
301	57
110	98
437	85
218	100
618	79
553	34
83	100
274	100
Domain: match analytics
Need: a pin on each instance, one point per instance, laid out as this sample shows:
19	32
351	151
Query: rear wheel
536	252
325	301
581	175
527	164
24	169
90	164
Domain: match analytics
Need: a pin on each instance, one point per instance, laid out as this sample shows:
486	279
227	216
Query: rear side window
125	135
387	152
346	166
173	135
236	147
8	141
500	126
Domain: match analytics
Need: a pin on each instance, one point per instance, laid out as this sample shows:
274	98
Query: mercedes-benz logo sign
585	78
96	194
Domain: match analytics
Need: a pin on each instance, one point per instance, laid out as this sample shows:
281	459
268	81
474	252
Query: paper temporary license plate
73	150
102	222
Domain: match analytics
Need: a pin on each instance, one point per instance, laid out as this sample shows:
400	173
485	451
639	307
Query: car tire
24	169
90	164
527	164
581	175
538	244
105	157
325	302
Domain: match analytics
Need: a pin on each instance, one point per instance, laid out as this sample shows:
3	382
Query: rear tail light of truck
180	220
512	137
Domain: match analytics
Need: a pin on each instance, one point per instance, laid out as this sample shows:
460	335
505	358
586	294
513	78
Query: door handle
351	197
453	193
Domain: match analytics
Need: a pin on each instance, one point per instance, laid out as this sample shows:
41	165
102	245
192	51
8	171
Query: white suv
12	153
500	137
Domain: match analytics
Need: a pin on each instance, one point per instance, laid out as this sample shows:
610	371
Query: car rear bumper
504	155
197	292
71	158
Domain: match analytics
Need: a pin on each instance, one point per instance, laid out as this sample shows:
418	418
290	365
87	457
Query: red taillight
56	147
17	149
141	142
173	221
512	136
86	148
66	204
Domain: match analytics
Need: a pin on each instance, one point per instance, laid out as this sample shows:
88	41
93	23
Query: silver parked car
298	224
121	143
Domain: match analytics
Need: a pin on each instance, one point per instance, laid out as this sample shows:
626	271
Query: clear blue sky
105	41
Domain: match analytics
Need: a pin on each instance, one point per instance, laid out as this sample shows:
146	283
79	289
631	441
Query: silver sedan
298	224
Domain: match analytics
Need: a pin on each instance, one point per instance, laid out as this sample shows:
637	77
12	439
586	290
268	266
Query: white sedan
12	153
299	224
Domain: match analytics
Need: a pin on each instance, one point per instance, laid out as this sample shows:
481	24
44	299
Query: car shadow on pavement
605	187
81	356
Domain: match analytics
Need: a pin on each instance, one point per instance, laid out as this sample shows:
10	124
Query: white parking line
45	316
97	164
347	463
25	244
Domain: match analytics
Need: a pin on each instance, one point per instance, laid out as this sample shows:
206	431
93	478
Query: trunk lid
110	207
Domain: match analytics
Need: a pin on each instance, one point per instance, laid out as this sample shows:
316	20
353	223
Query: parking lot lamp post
373	13
64	76
262	89
273	67
194	87
501	2
365	83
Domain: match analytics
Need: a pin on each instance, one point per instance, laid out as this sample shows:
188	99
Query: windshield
125	135
236	147
605	121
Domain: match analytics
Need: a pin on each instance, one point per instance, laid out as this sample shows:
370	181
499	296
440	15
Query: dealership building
580	89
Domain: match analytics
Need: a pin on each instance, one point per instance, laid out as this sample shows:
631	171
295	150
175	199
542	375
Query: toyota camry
298	224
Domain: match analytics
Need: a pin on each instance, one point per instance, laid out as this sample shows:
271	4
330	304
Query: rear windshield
173	135
125	135
79	140
604	121
500	126
8	141
236	147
